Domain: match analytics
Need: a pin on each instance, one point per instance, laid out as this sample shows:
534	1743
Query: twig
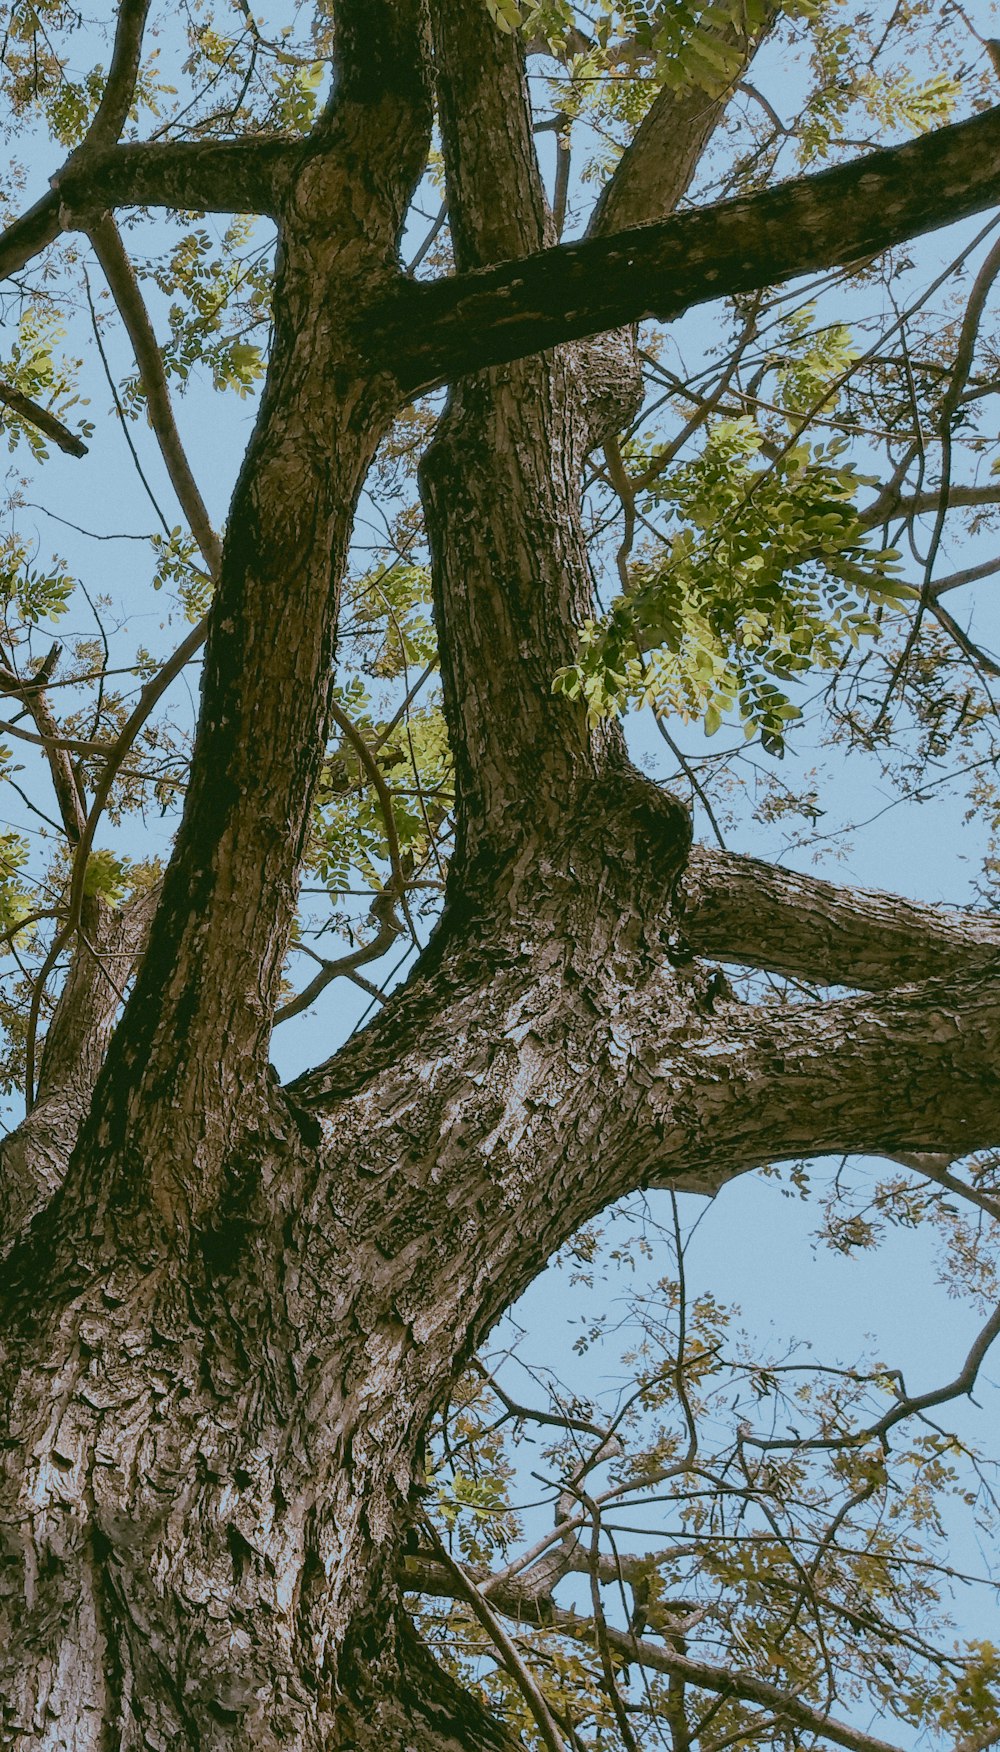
116	398
963	1383
436	228
124	286
961	368
468	1591
350	730
330	970
691	776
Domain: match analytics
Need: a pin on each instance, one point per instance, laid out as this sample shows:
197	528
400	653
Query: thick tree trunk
226	1336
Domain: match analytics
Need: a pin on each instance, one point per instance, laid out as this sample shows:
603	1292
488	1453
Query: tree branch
31	691
658	164
467	1590
201	1013
427	334
206	176
911	1069
41	224
119	86
518	1605
124	289
743	910
210	176
892	502
47	423
909	1405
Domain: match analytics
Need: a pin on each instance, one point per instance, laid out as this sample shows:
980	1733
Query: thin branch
528	1414
382	910
970	575
960	370
908	1406
891	503
116	398
603	1645
73	743
374	771
437	226
977	656
29	410
124	287
703	1675
936	1168
468	1591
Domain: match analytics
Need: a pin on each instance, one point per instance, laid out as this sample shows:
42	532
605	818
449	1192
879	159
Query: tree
232	1309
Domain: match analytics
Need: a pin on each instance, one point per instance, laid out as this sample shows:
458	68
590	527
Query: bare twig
382	909
907	1406
124	287
468	1591
353	735
961	368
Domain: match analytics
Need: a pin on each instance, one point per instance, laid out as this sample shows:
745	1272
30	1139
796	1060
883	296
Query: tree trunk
226	1335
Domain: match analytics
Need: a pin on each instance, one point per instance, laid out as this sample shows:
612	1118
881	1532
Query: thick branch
657	166
915	1069
207	176
189	1059
41	224
427	334
119	87
741	909
33	1158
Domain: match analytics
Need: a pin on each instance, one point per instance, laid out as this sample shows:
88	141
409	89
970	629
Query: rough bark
225	1335
33	1159
743	910
429	333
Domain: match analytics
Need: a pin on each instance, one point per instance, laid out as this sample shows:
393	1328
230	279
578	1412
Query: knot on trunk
611	383
637	825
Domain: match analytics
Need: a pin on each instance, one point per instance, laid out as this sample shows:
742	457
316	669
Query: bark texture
237	1307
